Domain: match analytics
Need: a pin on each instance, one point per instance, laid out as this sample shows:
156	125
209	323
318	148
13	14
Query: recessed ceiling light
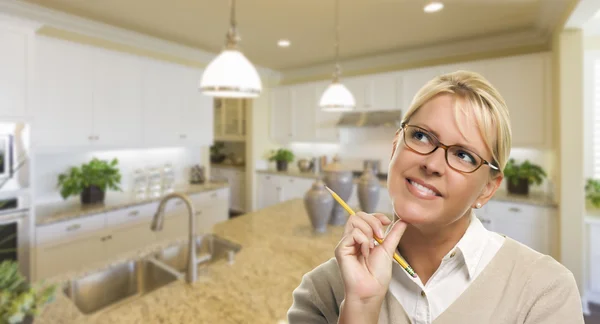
283	43
434	6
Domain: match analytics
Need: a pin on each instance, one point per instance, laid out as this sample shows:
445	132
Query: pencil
398	258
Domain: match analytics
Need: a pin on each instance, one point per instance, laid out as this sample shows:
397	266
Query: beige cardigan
519	285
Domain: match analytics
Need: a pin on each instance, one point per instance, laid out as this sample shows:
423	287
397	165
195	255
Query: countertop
64	210
534	197
278	248
228	166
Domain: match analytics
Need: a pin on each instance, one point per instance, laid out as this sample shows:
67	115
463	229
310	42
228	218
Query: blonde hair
480	101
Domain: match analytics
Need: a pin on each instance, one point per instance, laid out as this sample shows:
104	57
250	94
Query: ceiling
367	27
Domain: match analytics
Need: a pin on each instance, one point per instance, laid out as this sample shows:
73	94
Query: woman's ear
489	189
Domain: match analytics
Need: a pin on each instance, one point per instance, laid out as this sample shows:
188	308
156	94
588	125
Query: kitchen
110	81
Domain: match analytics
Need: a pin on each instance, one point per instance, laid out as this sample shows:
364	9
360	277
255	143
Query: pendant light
230	74
337	97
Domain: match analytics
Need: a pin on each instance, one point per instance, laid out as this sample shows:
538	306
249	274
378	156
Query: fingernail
380	233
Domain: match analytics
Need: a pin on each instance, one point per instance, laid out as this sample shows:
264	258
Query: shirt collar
472	244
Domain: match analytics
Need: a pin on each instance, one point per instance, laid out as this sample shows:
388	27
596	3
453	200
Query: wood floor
594	317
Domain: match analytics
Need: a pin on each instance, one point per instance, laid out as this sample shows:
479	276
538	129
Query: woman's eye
465	156
420	136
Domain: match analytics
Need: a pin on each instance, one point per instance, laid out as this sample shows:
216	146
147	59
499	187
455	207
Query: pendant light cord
338	70
232	35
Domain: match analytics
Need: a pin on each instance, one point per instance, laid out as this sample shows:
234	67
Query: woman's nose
435	163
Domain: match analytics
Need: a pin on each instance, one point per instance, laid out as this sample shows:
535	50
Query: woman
447	159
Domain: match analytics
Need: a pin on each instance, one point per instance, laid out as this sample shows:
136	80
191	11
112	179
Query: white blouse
423	303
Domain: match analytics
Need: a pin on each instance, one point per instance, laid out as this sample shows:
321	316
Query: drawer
67	230
595	242
132	215
209	198
501	209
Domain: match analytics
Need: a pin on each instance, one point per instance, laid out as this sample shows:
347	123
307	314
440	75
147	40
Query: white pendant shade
231	75
337	98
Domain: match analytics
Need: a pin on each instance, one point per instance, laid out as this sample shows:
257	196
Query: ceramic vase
368	191
340	180
318	203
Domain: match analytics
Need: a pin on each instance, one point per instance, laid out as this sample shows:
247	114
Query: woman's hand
366	269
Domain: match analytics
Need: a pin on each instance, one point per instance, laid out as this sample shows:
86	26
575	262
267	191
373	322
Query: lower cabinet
534	226
70	245
274	189
237	184
594	262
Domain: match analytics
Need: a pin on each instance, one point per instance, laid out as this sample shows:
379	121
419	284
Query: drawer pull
514	209
292	180
73	227
134	213
106	238
198	213
214	195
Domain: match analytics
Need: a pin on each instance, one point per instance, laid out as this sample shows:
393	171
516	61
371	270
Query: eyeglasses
458	158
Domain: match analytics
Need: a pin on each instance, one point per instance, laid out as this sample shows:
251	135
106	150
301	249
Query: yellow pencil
398	258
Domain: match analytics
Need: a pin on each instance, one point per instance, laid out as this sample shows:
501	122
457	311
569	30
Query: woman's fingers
370	224
353	243
393	237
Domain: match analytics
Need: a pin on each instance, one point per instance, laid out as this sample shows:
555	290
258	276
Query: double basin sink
136	278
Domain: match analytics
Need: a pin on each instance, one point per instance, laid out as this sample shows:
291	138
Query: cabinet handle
292	180
91	138
182	136
198	213
97	137
73	227
514	209
268	178
134	213
106	238
214	195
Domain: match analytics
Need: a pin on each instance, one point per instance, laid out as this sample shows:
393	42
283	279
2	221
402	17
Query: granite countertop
65	210
534	198
278	248
228	166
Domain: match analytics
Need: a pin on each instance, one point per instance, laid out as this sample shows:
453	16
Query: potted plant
20	302
520	176
282	157
90	181
216	155
592	192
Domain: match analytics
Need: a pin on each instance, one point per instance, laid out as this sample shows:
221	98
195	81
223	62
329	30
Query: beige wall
568	50
592	42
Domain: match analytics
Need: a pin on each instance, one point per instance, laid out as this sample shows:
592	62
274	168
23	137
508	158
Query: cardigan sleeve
318	297
558	302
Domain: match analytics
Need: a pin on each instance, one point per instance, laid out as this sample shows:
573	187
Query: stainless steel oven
14	234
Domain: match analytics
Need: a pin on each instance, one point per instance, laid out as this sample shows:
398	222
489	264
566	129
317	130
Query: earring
478	205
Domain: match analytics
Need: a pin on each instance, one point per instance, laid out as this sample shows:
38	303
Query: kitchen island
278	247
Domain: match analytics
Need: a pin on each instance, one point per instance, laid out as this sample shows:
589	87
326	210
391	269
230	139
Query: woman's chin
413	213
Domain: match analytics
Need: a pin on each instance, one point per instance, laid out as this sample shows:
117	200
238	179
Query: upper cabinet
89	97
230	119
14	46
524	82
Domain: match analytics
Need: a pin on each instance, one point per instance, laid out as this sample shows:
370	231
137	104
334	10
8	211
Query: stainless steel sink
210	248
116	284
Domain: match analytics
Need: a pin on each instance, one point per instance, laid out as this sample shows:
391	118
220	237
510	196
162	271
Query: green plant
534	174
592	192
18	298
99	173
215	150
281	155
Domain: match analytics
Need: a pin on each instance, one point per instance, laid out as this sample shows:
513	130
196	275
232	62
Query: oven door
13	238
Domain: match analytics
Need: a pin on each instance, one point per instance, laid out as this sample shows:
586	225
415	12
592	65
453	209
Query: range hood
369	119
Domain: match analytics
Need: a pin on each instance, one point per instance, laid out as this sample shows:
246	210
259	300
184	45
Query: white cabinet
196	117
414	80
269	190
304	110
294	187
281	114
534	226
14	76
230	119
63	90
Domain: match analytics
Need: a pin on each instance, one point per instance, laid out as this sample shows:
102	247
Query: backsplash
49	166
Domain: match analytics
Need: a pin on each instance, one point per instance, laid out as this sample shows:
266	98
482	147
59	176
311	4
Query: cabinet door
197	112
238	197
281	114
360	88
233	117
384	92
304	109
218	119
117	113
521	82
527	224
129	238
55	259
63	104
594	257
295	187
269	190
162	102
13	79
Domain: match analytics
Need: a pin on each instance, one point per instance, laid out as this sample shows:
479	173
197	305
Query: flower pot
521	188
28	319
92	195
282	165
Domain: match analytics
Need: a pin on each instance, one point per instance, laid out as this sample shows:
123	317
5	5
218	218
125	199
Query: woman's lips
422	190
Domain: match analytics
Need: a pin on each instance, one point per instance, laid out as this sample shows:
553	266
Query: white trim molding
60	20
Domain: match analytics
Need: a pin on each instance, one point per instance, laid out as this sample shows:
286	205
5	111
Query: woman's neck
424	248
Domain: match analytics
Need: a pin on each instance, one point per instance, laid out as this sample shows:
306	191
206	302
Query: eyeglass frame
439	144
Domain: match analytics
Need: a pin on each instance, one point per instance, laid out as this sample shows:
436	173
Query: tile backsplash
49	166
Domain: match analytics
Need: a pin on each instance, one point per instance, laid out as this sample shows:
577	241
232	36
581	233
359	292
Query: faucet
157	225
